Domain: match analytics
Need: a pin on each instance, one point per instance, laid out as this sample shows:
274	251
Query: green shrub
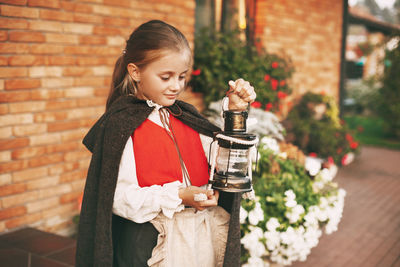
220	57
314	125
389	108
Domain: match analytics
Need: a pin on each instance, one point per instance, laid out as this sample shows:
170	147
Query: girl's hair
145	45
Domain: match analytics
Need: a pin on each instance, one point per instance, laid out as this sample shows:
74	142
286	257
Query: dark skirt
132	242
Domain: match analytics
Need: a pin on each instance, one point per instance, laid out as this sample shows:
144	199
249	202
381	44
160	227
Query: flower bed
291	208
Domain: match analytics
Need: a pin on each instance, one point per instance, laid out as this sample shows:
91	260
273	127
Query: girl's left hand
240	94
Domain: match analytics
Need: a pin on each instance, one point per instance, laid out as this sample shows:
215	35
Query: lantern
231	167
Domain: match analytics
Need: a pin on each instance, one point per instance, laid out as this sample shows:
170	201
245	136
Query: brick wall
56	59
308	32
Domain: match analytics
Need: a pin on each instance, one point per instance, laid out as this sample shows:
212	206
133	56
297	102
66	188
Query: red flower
267	77
353	145
274	84
330	160
360	129
344	160
339	150
349	138
322	92
313	154
196	72
281	95
274	65
282	83
268	106
256	104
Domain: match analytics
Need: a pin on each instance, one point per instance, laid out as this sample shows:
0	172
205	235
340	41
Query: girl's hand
187	196
240	94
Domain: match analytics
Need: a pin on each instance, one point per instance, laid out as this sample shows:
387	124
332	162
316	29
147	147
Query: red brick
28	107
54	190
62	38
18	199
79	28
12	48
70	197
83	8
123	3
92	61
40	183
50	116
105	51
63	167
77	50
13	143
12	189
14	2
21	12
29	129
61	60
12	212
62	126
92	101
76	155
106	30
34	37
22	84
28	152
102	91
72	176
46	49
57	82
5	156
29	174
89	81
23	220
42	94
88	18
56	15
63	147
92	40
77	71
122	22
3	109
61	104
73	135
10	72
67	5
3	61
3	36
26	60
45	160
12	166
8	23
45	139
42	204
14	96
44	3
46	25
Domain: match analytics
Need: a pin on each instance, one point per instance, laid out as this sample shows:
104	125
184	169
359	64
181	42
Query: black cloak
106	140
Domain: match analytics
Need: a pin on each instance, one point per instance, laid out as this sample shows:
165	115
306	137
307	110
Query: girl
145	200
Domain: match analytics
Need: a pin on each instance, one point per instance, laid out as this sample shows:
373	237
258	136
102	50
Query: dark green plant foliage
326	136
221	57
389	108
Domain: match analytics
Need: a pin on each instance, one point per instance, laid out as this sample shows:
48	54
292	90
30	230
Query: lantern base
230	183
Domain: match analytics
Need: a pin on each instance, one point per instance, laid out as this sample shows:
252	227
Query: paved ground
369	233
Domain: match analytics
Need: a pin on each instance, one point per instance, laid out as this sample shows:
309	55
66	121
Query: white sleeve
142	204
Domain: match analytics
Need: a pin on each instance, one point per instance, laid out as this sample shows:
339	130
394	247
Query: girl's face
164	79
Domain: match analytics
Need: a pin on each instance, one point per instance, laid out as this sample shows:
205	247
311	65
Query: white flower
313	165
243	215
290	195
326	175
255	262
270	143
272	224
256	215
273	240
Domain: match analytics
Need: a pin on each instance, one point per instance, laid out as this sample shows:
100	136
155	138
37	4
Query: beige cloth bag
190	238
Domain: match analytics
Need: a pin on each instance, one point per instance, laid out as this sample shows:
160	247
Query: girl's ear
134	72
